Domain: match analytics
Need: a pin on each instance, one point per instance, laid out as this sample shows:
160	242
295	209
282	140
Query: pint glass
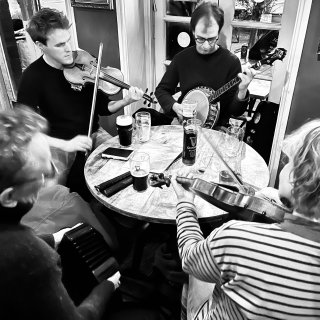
139	168
124	127
143	126
189	110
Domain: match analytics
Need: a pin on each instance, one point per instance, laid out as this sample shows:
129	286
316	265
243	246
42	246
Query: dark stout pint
189	143
124	127
140	180
140	168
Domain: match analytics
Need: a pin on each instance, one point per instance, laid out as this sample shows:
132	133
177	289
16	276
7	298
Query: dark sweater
30	281
190	69
67	110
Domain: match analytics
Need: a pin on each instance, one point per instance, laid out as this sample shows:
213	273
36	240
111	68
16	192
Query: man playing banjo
204	68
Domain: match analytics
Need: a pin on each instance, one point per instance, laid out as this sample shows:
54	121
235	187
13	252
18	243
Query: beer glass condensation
124	127
140	168
143	126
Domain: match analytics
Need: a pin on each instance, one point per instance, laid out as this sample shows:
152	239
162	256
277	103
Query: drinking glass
140	168
124	128
189	110
232	152
143	126
233	140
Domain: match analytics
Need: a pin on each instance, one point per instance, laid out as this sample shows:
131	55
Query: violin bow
237	180
96	84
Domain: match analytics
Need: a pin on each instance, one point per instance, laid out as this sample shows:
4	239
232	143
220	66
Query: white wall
284	41
132	42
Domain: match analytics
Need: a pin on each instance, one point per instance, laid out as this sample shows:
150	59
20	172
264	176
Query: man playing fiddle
205	64
44	87
262	271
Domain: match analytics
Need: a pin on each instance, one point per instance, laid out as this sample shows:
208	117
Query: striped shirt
261	271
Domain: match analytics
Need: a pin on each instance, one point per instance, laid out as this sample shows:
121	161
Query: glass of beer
190	135
140	168
143	126
124	127
189	110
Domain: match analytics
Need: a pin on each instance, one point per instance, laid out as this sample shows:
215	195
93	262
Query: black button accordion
86	260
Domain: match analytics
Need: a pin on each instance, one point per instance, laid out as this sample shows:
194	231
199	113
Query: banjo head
201	98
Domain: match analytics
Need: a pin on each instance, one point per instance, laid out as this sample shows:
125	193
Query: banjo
208	108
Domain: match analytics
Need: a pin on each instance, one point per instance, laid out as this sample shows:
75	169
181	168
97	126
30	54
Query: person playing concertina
31	275
205	64
29	266
44	87
262	271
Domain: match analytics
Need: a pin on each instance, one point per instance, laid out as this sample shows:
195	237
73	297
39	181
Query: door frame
293	62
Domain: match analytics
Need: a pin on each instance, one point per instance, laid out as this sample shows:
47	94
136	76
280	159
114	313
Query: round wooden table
158	205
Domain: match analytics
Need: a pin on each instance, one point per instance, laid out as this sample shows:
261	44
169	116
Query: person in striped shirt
262	271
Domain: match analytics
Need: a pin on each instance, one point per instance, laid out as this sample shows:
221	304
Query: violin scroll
83	71
151	100
157	180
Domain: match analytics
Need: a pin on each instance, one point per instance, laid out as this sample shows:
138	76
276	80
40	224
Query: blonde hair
17	127
303	147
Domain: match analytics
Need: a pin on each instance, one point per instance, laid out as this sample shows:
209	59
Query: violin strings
116	81
119	82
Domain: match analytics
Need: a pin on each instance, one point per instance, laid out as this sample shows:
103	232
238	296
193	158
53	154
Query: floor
150	266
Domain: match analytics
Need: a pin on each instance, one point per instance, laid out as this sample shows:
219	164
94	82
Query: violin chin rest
286	202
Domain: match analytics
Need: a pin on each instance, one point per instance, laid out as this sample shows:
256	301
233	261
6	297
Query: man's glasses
211	41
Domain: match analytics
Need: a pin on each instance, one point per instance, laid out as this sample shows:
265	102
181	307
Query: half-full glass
140	168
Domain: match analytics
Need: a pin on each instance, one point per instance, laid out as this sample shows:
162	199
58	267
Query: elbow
185	263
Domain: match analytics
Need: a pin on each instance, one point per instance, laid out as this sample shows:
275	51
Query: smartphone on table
117	153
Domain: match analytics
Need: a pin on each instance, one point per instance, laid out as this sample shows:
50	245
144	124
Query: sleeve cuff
246	98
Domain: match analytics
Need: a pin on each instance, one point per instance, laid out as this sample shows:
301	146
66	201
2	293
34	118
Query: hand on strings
246	77
115	279
78	143
134	94
269	193
182	193
177	108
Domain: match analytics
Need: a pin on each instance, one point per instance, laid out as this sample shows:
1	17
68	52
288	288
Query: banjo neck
231	84
224	89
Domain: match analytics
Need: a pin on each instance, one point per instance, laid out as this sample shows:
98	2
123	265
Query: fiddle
243	205
83	70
